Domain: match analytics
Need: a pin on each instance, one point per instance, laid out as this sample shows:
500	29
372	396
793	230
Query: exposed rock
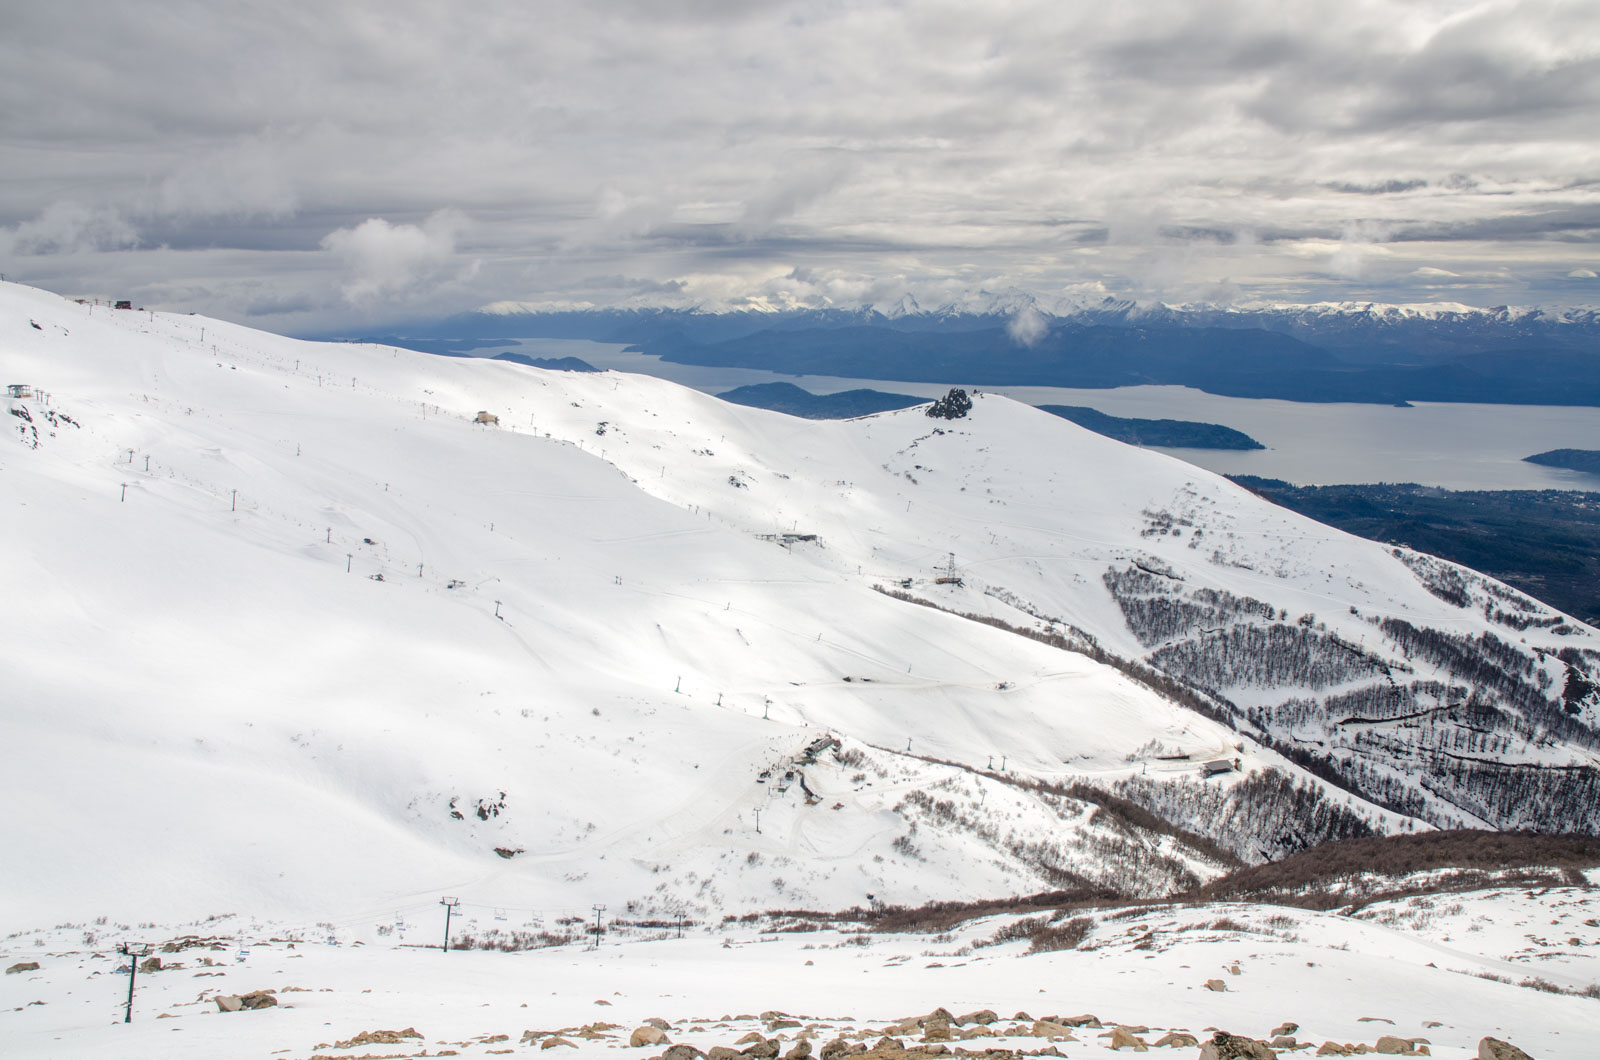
936	1031
551	1043
23	966
647	1035
1333	1049
953	406
1176	1040
1123	1038
683	1052
658	1023
977	1030
833	1050
1135	1028
1389	1045
1285	1028
1225	1046
984	1016
782	1024
940	1014
753	1036
722	1052
763	1050
381	1038
1046	1029
1495	1049
770	1014
1284	1041
1216	984
253	1000
1085	1020
150	964
801	1050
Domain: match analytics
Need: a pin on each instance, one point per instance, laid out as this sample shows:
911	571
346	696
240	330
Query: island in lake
794	401
1178	434
1172	434
1587	460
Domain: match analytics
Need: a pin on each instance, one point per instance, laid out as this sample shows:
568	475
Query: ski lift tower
949	577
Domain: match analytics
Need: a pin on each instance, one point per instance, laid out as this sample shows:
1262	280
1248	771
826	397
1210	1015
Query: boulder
984	1016
1389	1045
765	1049
1046	1029
236	1002
23	966
977	1030
647	1035
801	1050
150	964
1225	1046
1495	1049
753	1036
1216	984
1284	1041
683	1052
722	1052
1085	1020
1177	1040
554	1042
1123	1038
940	1014
831	1051
936	1031
1285	1028
1333	1049
658	1023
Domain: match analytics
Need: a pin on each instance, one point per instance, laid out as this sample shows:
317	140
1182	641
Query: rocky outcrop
1495	1049
1225	1046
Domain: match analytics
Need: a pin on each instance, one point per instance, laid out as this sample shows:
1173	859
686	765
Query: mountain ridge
576	650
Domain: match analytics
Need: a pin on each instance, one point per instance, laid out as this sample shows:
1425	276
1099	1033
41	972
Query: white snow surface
588	643
1395	972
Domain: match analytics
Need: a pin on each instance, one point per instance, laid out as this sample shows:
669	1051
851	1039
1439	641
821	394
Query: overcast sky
309	165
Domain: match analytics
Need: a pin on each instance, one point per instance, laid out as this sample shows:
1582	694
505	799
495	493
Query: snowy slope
590	640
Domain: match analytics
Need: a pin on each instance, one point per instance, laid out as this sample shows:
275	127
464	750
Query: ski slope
291	634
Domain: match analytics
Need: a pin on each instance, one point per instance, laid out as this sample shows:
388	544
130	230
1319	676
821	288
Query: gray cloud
323	162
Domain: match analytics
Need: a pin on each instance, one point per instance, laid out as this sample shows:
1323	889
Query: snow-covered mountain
299	627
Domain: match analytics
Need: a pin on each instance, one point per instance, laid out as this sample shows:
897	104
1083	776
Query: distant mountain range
1318	353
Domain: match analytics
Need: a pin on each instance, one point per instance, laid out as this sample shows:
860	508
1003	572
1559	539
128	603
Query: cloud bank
322	165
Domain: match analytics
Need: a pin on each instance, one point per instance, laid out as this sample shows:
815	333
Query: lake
1456	446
